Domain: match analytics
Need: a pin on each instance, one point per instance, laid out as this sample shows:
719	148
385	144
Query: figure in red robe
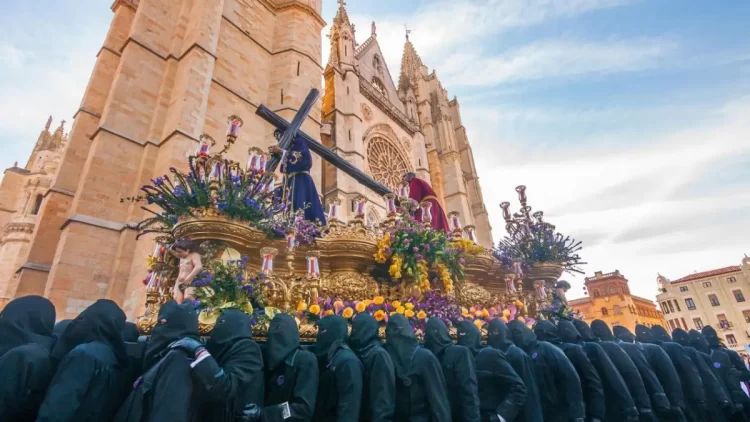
419	190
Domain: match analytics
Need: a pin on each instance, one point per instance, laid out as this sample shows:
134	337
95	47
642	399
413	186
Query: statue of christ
420	190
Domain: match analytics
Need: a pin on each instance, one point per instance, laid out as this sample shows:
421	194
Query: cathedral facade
171	70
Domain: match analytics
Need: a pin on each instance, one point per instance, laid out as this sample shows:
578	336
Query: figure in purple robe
299	189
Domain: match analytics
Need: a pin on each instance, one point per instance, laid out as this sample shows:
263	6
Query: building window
698	323
706	284
684	324
714	300
677	305
37	204
683	288
738	295
604	312
690	304
617	310
731	340
731	280
671	308
723	323
746	315
664	307
378	85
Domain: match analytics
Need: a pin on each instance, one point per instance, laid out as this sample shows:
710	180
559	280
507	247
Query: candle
403	191
521	189
267	267
390	203
541	292
216	172
455	221
157	251
471	233
271	184
426	211
262	161
333	210
233	126
313	268
291	241
203	148
506	211
361	207
153	282
251	162
509	285
518	271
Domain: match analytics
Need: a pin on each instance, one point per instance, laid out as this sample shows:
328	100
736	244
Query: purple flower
427	246
415	249
269	285
461	261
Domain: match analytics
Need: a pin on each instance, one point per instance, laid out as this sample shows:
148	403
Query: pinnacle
341	18
410	65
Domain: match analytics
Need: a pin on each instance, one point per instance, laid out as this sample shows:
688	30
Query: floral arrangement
246	196
422	254
537	244
556	311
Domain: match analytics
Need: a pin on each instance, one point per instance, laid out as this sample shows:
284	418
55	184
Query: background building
610	300
171	70
716	298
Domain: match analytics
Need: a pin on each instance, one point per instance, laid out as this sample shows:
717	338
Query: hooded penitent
692	386
743	374
591	384
420	385
642	382
379	380
92	363
130	332
562	397
469	336
174	322
436	338
619	404
25	320
340	387
623	334
499	337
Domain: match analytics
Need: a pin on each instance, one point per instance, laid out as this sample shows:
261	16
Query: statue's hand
274	149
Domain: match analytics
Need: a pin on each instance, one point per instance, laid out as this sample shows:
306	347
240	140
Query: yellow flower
485	313
379	300
409	313
401	310
519	304
421	315
314	309
396	303
247	308
504	319
464	312
521	319
328	312
367	302
409	305
478	314
348	312
506	313
338	304
478	323
301	306
392	313
379	315
397	262
361	306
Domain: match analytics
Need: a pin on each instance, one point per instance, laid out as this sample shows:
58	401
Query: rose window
387	165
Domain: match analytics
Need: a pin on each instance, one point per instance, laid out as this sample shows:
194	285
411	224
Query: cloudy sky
628	120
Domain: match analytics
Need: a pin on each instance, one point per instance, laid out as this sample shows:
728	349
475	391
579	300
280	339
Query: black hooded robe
340	388
559	385
164	391
623	363
498	337
90	382
379	378
719	405
458	369
291	374
231	376
26	338
421	395
619	404
742	373
501	391
591	384
664	371
692	385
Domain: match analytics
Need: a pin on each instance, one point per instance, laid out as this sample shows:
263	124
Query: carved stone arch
372	219
386	159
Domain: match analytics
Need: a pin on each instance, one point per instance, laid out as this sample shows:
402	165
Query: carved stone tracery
386	163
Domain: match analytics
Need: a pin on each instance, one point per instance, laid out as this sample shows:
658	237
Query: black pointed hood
699	341
28	319
546	331
660	334
232	326
174	322
130	332
681	337
331	335
711	336
469	336
498	335
585	331
283	340
644	334
601	330
364	333
102	322
400	343
436	337
623	334
522	335
568	332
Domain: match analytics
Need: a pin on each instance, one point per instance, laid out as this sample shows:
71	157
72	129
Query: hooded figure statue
458	369
230	375
90	382
501	391
736	360
722	368
340	387
379	380
692	385
499	337
720	407
625	366
663	369
619	403
421	395
562	398
591	384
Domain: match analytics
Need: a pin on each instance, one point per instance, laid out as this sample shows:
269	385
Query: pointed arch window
378	84
377	64
617	310
37	204
604	312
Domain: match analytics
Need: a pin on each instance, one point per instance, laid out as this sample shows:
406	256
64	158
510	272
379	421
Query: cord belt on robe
430	197
290	175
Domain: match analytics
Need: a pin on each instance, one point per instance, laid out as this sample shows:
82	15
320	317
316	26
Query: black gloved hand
251	413
188	344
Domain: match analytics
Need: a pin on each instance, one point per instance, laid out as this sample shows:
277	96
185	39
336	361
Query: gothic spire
341	18
411	64
49	124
